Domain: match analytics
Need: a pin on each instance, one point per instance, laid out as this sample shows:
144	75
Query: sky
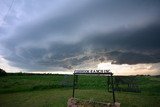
64	35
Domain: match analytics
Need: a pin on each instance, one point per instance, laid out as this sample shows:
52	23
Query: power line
10	7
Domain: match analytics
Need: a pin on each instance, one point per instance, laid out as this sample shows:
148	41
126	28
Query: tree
2	72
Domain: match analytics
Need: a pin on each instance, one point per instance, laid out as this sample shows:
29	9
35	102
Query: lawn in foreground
59	97
51	91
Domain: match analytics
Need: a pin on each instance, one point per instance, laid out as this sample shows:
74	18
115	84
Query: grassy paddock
54	90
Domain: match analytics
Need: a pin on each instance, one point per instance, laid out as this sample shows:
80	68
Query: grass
23	83
46	98
54	90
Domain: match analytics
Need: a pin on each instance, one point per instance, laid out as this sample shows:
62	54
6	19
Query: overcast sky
63	35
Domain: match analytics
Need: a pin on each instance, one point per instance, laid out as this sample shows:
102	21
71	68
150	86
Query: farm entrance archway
94	72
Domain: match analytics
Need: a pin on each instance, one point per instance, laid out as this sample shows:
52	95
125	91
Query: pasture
22	90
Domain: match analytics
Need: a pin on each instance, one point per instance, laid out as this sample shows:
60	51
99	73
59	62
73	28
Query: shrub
2	72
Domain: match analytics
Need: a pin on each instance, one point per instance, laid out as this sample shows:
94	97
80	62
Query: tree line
2	72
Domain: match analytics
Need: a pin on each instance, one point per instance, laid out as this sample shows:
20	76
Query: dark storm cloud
122	47
137	39
130	46
126	32
132	58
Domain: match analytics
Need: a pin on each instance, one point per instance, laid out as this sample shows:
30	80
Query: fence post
73	84
113	88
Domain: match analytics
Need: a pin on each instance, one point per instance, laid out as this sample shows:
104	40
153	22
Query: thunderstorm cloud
68	34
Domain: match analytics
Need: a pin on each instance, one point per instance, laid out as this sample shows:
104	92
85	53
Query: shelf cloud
67	33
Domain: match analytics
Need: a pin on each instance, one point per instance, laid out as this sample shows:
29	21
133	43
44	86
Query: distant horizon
71	73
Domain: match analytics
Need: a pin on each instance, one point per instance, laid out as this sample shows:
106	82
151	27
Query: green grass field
54	90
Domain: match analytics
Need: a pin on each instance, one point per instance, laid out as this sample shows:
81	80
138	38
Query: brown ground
84	103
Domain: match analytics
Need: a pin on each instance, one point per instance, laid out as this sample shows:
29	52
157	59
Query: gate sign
92	72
